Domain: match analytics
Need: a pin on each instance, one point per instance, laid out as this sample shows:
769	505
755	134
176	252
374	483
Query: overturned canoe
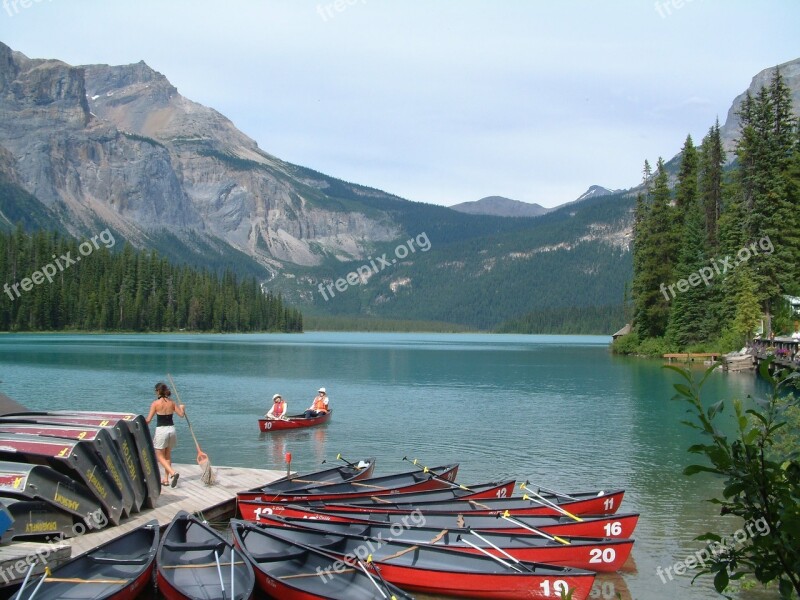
75	459
104	446
122	432
40	482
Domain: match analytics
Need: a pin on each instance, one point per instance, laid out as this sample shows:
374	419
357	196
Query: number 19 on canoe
560	589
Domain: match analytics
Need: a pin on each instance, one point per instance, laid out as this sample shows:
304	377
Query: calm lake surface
560	411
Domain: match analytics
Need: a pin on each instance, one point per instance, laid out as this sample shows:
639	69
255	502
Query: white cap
322	390
276	396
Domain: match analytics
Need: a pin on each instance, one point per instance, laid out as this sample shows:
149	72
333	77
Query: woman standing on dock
165	439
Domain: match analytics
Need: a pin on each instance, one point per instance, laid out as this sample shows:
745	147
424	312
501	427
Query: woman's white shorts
165	437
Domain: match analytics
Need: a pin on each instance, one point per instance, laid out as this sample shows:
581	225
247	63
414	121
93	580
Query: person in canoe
278	409
165	439
319	407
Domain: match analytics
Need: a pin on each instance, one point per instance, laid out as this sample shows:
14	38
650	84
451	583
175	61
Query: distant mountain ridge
499	206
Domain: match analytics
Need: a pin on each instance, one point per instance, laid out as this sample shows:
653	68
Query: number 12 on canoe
559	589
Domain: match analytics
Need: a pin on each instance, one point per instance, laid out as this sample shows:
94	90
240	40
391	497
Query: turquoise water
560	411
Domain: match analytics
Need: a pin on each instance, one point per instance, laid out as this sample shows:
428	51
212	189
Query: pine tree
711	162
656	252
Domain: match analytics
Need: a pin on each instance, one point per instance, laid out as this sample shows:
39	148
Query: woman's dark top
163	420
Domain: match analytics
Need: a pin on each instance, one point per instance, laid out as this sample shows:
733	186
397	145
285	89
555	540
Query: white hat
321	390
276	396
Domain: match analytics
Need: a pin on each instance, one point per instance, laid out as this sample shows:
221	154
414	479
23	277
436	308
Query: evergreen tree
688	317
655	258
711	162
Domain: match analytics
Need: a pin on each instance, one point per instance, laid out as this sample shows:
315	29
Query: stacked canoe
423	532
64	472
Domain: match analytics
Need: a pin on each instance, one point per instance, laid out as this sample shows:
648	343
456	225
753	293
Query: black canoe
121	433
39	482
118	570
292	571
35	519
196	562
342	474
74	458
104	446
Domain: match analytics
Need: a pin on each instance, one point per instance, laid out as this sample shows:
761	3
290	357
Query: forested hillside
716	255
53	282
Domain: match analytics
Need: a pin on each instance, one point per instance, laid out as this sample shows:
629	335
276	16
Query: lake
560	411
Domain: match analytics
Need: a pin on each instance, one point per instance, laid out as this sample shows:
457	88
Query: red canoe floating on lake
292	422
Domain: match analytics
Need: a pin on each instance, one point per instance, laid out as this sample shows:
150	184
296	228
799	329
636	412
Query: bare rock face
119	146
790	72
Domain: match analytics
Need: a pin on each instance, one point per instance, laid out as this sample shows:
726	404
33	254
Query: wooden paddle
202	458
428	471
546	502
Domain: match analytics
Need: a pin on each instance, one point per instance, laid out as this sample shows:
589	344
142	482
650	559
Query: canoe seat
183	546
262	557
108	560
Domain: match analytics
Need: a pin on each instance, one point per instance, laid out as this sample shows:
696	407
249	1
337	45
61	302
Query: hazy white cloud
444	100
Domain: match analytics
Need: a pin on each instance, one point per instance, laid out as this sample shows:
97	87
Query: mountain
594	191
84	148
500	207
791	77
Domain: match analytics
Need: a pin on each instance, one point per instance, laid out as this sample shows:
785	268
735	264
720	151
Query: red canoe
287	571
619	526
292	422
595	554
435	570
410	481
342	474
584	503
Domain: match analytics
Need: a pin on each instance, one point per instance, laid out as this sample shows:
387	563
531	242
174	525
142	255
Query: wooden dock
215	502
691	356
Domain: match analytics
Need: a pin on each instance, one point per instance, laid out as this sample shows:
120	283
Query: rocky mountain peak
791	77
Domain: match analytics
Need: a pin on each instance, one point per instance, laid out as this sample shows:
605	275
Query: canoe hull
292	422
118	570
187	567
619	526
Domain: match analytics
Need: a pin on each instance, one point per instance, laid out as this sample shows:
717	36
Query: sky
440	101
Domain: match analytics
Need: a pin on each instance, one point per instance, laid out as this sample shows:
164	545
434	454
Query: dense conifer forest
53	283
717	250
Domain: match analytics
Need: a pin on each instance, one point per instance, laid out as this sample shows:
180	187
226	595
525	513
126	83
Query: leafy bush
762	482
